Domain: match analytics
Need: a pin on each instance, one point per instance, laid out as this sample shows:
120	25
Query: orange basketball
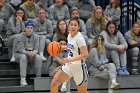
54	48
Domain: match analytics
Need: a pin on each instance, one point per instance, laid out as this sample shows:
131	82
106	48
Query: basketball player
74	65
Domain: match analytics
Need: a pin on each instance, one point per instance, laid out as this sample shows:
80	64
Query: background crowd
27	26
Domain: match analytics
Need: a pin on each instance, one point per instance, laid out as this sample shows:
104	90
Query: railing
129	14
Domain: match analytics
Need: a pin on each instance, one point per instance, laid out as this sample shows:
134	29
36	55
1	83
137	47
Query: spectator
30	9
43	27
6	11
133	39
45	4
96	23
84	6
15	3
14	28
27	51
61	30
113	11
98	63
58	11
116	46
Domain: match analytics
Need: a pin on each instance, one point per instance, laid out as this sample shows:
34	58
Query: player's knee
54	83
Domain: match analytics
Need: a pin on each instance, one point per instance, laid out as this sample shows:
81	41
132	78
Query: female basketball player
74	65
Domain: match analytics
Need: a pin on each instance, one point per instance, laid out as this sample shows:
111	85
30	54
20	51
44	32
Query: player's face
73	27
41	14
20	13
29	30
136	29
62	26
111	28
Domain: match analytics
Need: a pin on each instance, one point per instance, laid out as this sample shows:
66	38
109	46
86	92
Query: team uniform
76	69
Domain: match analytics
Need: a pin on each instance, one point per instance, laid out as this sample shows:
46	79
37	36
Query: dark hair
57	30
111	22
76	19
24	17
62	39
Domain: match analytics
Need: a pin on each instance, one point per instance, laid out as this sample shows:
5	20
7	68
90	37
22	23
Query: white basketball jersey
74	44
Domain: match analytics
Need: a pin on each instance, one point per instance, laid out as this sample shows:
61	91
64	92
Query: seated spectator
45	4
98	64
96	23
6	11
85	7
58	11
116	46
57	62
30	9
16	25
27	51
113	11
15	3
133	39
60	31
43	27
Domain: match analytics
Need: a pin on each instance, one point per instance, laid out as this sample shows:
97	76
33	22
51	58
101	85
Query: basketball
54	48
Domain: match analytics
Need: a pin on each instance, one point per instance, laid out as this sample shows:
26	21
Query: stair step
8	66
13	81
4	57
16	88
9	72
9	82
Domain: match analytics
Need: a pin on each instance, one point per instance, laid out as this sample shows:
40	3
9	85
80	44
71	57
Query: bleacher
10	81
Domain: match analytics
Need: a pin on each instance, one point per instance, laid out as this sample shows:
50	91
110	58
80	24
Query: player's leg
82	88
81	78
58	79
